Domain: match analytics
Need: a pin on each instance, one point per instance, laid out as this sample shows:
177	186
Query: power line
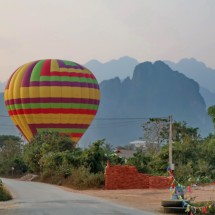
97	118
98	122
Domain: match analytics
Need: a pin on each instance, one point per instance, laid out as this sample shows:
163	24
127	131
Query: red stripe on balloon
72	135
52	100
67	74
34	127
59	125
52	111
77	135
46	67
46	71
64	84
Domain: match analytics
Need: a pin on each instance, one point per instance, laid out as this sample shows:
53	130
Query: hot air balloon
54	95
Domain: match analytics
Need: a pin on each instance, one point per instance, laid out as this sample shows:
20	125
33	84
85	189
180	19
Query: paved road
31	198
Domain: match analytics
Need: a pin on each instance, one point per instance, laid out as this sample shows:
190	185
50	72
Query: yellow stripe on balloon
86	71
16	80
53	92
76	139
23	126
15	90
54	65
54	118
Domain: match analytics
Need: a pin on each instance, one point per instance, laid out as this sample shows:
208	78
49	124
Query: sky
82	30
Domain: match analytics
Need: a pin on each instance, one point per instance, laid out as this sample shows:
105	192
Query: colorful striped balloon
54	95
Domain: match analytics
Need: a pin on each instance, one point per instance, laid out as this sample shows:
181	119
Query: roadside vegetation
58	160
4	193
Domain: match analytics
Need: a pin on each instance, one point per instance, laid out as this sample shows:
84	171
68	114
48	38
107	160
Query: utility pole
170	143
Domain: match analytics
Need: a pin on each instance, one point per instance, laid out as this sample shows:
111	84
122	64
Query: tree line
57	159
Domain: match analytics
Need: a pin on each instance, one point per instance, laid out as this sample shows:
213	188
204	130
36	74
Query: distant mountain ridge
2	86
6	125
154	91
196	70
208	96
122	68
151	90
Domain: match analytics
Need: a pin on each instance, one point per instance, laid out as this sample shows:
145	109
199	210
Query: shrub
82	178
4	194
210	210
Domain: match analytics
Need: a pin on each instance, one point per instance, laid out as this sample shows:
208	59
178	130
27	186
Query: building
138	144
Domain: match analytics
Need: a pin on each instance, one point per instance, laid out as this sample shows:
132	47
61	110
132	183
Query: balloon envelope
54	95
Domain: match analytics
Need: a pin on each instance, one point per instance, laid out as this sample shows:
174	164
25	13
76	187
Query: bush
205	180
4	194
81	178
210	210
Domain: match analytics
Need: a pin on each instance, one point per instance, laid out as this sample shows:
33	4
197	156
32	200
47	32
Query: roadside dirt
148	199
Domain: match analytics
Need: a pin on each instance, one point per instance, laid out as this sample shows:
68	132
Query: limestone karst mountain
154	90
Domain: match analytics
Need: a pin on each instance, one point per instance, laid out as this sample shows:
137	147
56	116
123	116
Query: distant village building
125	153
138	144
133	146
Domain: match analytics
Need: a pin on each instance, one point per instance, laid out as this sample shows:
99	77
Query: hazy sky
81	30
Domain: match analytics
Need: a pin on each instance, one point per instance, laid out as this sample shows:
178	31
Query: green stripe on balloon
64	130
52	105
35	74
63	78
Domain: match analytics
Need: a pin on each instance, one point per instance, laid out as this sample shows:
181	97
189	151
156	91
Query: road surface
32	198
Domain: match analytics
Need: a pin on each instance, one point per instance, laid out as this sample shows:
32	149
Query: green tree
32	156
44	147
4	138
11	161
181	132
55	165
186	143
95	157
159	161
140	160
211	113
207	157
